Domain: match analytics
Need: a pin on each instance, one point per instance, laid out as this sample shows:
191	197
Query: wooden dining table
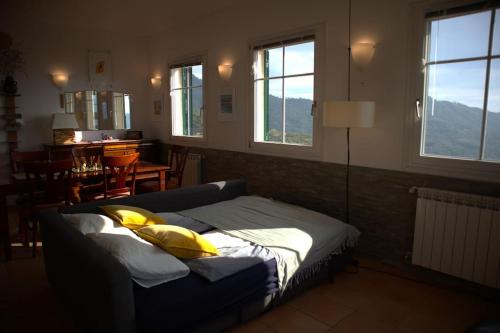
18	183
145	171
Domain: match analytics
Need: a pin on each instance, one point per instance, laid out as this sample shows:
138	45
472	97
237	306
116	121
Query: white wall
226	36
50	48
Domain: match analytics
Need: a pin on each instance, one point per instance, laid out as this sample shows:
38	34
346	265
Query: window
461	109
283	85
186	93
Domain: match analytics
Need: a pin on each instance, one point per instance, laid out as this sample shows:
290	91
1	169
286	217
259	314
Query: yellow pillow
132	217
180	242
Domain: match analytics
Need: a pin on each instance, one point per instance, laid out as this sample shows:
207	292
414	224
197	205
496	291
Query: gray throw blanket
297	237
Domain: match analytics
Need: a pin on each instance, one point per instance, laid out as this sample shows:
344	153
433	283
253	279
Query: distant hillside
455	130
298	119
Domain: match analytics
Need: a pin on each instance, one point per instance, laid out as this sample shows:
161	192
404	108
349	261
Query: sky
464	82
299	59
453	38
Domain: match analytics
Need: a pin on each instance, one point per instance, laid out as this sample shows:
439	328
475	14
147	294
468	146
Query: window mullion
189	101
486	87
266	96
185	107
283	114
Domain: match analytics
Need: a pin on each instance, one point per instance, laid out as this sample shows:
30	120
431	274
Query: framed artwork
100	74
226	104
157	106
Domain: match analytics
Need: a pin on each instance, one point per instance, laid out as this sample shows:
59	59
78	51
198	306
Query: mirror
103	110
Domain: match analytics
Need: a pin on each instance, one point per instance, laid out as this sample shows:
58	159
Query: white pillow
91	223
148	264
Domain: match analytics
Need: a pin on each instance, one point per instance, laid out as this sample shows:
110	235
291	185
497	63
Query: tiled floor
373	302
368	301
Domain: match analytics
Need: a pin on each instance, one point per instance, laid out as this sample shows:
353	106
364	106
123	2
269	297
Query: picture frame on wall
157	107
226	103
100	70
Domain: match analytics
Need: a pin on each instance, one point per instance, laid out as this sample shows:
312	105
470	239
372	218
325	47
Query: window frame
413	160
290	149
184	62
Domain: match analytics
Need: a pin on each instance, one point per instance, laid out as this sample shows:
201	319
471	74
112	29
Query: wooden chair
115	171
49	185
17	158
177	162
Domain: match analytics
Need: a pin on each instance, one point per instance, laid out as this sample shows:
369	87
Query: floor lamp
349	114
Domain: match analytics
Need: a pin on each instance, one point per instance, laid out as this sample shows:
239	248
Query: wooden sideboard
149	149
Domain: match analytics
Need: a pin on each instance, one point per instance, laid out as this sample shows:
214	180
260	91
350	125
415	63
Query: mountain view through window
462	109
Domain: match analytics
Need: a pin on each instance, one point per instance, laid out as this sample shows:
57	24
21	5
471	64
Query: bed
102	296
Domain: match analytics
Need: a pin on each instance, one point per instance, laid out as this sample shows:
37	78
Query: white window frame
183	139
283	149
413	160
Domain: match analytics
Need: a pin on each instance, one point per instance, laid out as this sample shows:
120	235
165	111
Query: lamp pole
347	206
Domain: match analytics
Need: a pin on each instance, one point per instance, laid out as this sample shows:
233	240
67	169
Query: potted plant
11	61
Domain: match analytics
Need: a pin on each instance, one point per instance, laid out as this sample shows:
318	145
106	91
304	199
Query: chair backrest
88	155
116	169
49	181
17	158
177	162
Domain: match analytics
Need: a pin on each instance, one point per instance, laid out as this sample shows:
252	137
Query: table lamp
63	126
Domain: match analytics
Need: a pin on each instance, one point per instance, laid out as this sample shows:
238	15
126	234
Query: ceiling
138	18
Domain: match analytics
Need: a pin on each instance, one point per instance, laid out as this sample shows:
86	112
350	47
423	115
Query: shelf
9	95
9	107
12	116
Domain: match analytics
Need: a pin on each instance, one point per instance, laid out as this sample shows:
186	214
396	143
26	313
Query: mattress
182	304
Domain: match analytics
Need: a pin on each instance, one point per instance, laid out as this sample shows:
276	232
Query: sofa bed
101	294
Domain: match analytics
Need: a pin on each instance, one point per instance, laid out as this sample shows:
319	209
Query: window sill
455	168
189	140
285	150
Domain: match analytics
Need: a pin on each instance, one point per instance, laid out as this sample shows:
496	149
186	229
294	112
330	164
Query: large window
186	93
461	109
284	92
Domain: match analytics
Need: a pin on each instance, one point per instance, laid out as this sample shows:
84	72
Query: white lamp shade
64	121
156	82
348	114
225	71
60	80
362	53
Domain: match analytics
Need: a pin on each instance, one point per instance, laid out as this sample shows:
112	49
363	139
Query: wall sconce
362	53
156	82
60	80
225	72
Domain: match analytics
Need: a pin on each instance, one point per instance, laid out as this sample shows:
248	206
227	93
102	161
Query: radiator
192	170
458	234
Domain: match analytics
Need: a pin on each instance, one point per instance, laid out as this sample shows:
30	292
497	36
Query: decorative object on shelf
348	114
133	135
225	71
226	104
9	85
13	120
100	71
156	82
60	80
11	62
63	126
